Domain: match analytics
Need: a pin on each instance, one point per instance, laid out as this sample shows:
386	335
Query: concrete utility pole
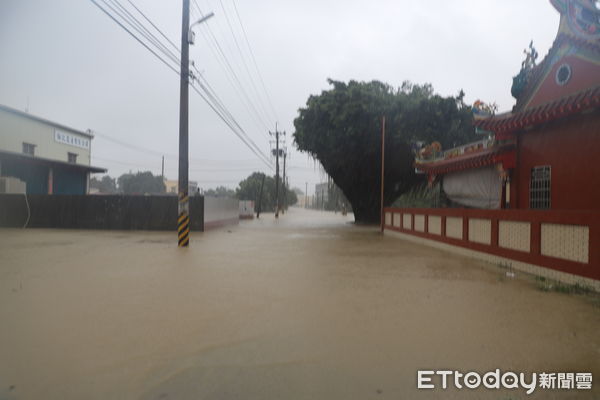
183	219
306	196
276	171
284	183
381	215
262	185
162	170
187	38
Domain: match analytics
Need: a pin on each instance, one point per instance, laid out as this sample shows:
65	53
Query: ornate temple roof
504	154
503	124
565	82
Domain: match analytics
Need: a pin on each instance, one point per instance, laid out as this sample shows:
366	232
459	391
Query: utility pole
276	171
306	196
284	183
183	219
162	170
381	215
187	38
258	209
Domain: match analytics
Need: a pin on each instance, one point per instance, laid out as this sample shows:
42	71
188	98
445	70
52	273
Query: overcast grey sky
70	63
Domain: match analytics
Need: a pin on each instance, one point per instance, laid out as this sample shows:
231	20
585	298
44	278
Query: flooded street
305	307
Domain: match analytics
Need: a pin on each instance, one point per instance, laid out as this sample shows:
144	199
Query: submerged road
309	306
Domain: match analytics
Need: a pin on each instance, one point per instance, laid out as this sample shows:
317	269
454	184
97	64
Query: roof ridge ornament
522	78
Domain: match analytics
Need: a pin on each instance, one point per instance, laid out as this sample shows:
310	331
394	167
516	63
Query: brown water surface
305	307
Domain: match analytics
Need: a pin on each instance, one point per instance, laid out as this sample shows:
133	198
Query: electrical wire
155	27
127	16
265	160
134	36
254	61
231	70
260	101
217	101
219	109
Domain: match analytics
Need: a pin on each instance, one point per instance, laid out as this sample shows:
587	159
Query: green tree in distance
341	127
249	189
104	185
141	183
220	191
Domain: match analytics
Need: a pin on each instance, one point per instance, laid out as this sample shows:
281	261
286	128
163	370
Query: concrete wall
16	128
246	209
97	212
219	211
563	245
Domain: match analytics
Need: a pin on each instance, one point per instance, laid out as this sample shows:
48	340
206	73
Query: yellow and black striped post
183	221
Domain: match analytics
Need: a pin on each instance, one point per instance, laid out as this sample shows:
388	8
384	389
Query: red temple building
544	153
527	196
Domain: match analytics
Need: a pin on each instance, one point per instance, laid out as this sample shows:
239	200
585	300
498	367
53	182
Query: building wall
65	179
34	175
584	75
16	129
571	148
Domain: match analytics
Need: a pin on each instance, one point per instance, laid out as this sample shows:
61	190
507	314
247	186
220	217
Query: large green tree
341	127
249	189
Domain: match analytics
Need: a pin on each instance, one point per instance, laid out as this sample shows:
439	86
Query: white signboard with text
72	140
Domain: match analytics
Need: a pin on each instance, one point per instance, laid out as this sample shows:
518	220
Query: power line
265	160
254	61
260	102
152	166
134	36
160	154
232	71
215	100
155	27
223	113
127	16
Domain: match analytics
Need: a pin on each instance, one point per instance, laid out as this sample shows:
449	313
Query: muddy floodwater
309	306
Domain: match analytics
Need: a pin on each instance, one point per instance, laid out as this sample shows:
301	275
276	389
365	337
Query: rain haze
67	61
457	256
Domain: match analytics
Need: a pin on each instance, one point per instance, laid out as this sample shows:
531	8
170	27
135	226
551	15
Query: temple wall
572	148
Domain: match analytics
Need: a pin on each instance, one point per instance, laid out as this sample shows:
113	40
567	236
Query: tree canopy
249	189
220	191
141	183
342	126
104	185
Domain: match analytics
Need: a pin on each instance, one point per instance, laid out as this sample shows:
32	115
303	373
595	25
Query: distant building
48	157
321	194
172	185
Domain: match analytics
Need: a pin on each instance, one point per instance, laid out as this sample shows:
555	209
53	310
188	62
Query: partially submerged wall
119	212
562	245
220	211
